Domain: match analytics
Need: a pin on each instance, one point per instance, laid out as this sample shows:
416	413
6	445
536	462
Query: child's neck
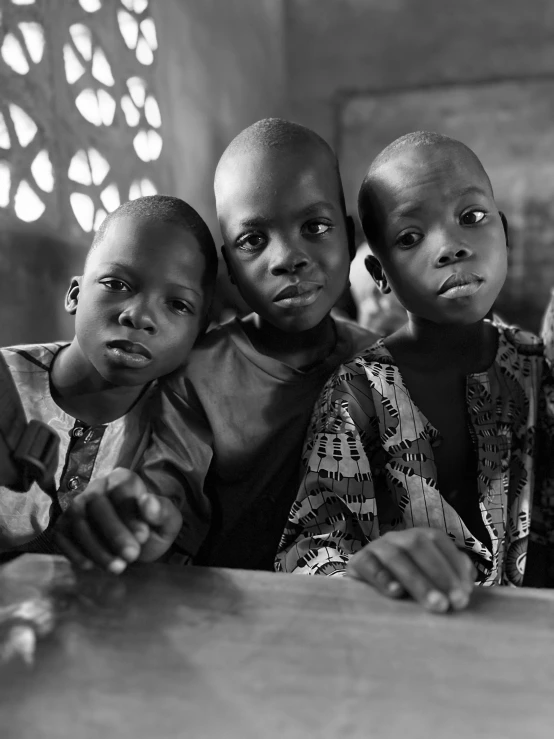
468	349
301	350
80	391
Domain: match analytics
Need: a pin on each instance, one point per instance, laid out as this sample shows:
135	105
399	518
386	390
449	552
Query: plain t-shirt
235	423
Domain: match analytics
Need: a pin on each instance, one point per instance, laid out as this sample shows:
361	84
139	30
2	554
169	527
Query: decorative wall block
80	125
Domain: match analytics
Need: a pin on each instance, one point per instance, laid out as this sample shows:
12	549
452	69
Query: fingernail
459	599
394	588
436	601
130	553
153	506
141	534
117	566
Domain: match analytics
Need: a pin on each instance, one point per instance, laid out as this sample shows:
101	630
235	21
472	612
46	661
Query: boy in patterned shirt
139	307
419	464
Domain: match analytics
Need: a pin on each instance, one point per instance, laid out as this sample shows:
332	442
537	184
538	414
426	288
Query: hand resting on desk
116	521
420	562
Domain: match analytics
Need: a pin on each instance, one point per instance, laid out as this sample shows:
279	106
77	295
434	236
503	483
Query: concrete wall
220	68
348	60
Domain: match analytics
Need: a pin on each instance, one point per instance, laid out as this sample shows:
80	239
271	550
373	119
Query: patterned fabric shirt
369	463
85	453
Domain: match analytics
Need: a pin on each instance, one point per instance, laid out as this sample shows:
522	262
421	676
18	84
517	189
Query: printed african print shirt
369	465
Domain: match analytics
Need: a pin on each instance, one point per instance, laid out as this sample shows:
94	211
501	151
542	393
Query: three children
420	458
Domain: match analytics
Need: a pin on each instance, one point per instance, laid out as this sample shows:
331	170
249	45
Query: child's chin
124	377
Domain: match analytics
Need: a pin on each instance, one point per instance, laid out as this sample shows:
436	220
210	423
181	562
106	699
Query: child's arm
116	521
177	461
171	472
333	526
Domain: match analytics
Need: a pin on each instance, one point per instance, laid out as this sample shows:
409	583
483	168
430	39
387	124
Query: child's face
286	242
442	243
140	304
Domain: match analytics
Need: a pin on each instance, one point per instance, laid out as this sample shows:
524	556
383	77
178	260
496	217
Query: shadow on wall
35	269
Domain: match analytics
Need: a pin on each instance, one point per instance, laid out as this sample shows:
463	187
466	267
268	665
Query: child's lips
460	285
298	294
129	353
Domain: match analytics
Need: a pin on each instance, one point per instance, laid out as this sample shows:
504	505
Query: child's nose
448	256
138	316
288	259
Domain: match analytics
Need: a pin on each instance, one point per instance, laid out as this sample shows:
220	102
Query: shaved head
164	209
423	142
273	136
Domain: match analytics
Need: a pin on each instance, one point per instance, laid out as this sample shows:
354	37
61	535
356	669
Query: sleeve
335	512
177	460
547	330
541	547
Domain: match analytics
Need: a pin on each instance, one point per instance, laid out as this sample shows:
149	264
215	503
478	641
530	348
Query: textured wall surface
220	68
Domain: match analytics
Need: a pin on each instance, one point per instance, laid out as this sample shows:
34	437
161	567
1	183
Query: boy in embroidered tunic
139	307
419	459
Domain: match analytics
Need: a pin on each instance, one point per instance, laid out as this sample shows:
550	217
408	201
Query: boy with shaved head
245	399
139	306
419	472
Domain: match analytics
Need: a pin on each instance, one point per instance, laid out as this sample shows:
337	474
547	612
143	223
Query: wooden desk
164	652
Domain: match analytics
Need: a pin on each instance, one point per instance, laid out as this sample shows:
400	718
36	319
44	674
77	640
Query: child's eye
409	239
116	285
317	228
471	217
249	242
179	306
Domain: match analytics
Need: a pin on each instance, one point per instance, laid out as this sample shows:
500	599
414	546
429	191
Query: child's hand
424	563
116	521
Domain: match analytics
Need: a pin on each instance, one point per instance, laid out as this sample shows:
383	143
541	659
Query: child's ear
505	227
228	265
351	236
72	295
373	266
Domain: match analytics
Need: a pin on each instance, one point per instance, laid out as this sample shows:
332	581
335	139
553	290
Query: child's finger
72	552
401	566
161	513
139	529
95	549
438	570
105	521
460	561
365	566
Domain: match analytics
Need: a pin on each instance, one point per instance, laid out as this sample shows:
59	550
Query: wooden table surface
190	652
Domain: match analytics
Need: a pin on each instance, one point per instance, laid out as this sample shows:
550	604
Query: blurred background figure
106	100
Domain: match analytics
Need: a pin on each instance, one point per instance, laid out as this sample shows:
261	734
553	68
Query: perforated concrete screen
80	125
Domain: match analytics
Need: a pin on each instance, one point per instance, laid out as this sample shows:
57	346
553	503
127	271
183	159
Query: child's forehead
264	180
431	173
148	243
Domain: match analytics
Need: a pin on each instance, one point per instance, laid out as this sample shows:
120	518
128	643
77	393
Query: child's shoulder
369	363
356	338
31	357
518	340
